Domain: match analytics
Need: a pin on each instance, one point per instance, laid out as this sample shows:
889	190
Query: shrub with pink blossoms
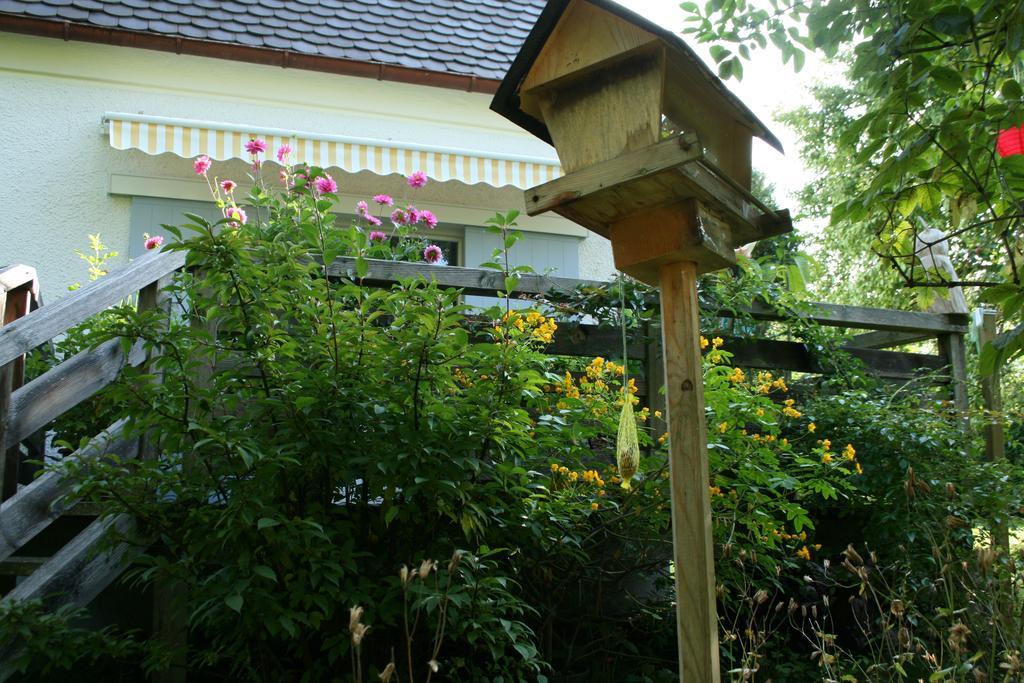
202	164
256	146
417	179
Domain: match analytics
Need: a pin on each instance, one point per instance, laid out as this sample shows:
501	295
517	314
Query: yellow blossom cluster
538	327
599	367
805	553
783	536
592	477
789	411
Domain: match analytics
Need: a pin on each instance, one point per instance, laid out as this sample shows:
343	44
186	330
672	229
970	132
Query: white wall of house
60	180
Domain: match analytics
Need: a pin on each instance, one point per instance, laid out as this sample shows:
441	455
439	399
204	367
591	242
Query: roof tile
471	37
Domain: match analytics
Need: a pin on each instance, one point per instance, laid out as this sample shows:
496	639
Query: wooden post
18	287
696	618
952	347
992	399
170	608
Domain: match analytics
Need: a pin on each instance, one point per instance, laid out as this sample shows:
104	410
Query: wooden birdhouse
656	151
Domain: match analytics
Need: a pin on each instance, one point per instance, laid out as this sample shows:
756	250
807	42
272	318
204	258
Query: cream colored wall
60	180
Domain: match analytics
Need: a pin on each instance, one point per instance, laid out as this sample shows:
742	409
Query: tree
934	86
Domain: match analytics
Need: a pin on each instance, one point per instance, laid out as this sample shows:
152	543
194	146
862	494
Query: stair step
21	566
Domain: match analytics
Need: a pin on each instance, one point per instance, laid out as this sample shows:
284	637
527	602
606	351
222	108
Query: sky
768	86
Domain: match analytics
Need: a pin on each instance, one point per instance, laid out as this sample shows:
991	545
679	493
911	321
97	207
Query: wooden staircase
75	572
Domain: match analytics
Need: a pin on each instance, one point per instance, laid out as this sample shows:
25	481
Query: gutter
286	59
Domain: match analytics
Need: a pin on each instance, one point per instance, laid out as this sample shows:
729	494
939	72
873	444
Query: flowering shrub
320	449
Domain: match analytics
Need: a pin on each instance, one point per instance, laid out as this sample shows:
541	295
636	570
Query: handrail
487	282
43	324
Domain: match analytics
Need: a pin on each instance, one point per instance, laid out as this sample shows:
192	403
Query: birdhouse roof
506	100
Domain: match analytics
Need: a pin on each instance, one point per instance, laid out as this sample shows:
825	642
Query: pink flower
399	217
372	220
412	215
256	146
283	151
378	236
384	199
432	254
325	185
362	208
228	186
417	179
154	242
429	219
236	215
202	165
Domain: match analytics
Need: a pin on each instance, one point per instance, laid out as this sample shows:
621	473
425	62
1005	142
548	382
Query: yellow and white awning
189	139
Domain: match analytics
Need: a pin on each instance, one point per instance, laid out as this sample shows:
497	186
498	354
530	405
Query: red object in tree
1010	142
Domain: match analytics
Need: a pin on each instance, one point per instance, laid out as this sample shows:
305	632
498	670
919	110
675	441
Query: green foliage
910	144
316	446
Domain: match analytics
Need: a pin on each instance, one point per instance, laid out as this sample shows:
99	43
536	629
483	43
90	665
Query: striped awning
189	139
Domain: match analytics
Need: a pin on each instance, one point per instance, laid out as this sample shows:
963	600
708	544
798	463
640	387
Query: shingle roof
469	37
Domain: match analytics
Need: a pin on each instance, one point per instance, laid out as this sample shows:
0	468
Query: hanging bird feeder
602	85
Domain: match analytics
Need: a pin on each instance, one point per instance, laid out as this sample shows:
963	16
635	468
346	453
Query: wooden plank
696	621
53	319
618	171
882	339
952	347
992	400
17	304
797	357
592	340
37	505
8	457
481	282
475	281
17	276
61	388
21	566
76	574
838	315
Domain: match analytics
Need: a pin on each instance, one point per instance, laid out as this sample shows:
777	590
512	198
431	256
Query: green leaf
304	402
265	571
1011	90
235	602
362	267
511	282
719	53
266	523
947	79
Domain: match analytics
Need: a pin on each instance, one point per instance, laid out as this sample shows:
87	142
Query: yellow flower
860	470
554	467
722	427
811	427
573	476
803	553
849	453
826	444
717	342
791	412
594	506
601	493
789	402
703	342
827	458
657	413
759	412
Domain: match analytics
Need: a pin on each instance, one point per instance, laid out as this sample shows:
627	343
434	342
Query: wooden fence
76	573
